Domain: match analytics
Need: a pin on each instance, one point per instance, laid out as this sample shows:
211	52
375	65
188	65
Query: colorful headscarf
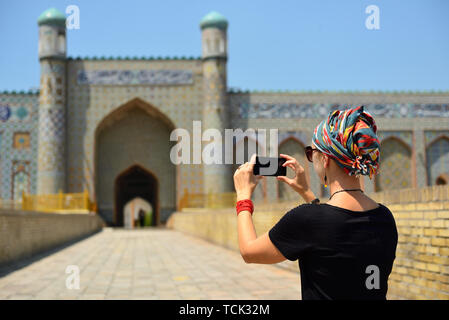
350	138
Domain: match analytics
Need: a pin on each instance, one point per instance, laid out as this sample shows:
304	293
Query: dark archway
131	183
443	179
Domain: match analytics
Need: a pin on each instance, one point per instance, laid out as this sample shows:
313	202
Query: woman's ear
326	163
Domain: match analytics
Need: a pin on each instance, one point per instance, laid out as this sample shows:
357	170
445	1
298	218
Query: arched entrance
395	165
138	212
135	182
437	156
132	158
443	179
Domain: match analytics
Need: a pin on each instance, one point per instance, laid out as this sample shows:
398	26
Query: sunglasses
309	152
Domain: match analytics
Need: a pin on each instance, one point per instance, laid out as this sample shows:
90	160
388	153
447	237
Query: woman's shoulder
320	209
305	210
319	216
359	204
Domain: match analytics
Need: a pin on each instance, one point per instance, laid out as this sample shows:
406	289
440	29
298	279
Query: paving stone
148	264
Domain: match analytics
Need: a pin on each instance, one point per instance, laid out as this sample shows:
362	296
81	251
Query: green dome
214	19
52	16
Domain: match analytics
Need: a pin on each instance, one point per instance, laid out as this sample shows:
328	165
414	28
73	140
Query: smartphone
266	166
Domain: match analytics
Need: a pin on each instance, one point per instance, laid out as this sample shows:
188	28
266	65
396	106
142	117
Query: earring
325	181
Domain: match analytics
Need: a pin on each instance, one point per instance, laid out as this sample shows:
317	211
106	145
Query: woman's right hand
299	181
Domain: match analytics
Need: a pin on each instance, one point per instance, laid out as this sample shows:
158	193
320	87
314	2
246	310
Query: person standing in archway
141	218
345	247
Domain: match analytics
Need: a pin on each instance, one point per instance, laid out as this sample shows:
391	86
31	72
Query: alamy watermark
72	281
73	19
373	280
372	22
221	150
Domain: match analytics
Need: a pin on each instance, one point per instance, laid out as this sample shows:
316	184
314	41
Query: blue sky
273	45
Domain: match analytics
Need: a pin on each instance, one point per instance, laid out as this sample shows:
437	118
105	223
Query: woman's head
348	137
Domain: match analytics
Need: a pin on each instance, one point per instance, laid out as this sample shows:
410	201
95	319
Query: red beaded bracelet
245	205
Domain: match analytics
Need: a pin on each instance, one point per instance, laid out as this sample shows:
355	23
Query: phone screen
266	166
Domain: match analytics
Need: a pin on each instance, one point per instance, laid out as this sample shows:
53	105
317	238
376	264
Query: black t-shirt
342	254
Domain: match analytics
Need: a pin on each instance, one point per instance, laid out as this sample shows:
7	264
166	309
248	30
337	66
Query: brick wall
23	234
421	268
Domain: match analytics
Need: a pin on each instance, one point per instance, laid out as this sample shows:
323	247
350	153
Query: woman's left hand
244	180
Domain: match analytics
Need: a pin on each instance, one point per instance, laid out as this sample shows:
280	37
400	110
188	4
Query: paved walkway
148	264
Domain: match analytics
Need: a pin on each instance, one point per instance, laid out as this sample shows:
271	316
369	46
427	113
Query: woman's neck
344	184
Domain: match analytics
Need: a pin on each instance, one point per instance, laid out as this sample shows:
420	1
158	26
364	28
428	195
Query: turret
217	177
52	34
52	100
214	39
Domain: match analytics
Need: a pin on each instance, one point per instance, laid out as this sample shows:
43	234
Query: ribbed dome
215	20
52	16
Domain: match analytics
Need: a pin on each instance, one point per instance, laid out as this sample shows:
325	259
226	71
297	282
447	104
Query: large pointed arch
117	113
395	167
437	160
135	133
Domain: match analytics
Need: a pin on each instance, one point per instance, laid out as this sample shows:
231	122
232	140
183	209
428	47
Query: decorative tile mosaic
15	113
130	77
21	123
404	136
249	110
21	179
52	127
5	112
21	140
432	135
395	166
52	124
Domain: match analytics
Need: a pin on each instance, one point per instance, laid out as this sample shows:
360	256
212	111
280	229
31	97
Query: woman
346	246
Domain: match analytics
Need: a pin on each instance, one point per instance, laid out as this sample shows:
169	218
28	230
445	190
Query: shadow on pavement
7	268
